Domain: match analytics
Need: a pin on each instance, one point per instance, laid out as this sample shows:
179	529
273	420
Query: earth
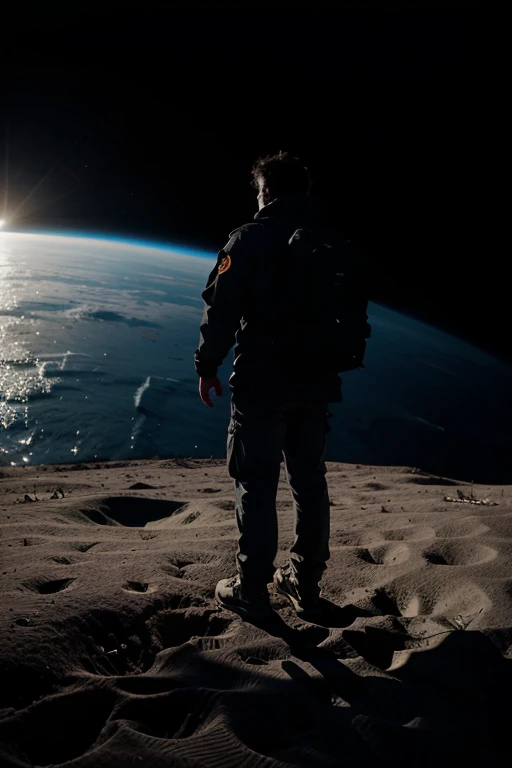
97	339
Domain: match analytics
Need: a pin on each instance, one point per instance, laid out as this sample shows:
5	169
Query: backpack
323	302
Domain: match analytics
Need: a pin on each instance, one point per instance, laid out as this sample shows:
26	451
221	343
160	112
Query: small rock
383	509
27	498
25	542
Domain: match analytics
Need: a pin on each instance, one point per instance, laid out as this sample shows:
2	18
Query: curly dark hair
283	175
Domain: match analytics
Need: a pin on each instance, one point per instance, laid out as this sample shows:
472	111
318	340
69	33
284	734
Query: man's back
266	346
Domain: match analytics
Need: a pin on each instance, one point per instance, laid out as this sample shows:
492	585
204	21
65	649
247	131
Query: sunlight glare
2	222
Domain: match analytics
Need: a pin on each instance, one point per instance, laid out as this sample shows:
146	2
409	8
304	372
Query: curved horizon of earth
96	363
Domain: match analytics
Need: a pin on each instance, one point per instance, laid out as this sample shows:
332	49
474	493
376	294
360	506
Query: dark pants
260	435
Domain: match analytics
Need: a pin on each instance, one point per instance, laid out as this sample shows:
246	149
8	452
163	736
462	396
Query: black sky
151	116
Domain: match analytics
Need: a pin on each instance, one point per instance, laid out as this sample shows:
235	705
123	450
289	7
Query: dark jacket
241	304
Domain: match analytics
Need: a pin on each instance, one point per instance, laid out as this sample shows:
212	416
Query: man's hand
204	389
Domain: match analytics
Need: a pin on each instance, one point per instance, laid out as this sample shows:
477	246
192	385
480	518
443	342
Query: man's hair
283	175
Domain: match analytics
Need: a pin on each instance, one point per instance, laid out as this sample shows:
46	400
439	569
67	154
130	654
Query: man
278	406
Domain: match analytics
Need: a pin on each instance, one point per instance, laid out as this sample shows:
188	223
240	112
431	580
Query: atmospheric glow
113	240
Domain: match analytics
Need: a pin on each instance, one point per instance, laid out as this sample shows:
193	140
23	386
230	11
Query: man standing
278	399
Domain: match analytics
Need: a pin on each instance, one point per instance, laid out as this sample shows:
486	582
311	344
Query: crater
409	533
198	571
391	554
48	587
84	546
458	553
377	646
461	529
175	627
387	603
131	511
96	516
356	538
466	598
60	559
137	586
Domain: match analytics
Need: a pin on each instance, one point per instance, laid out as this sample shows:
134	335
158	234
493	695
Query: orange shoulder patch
225	264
